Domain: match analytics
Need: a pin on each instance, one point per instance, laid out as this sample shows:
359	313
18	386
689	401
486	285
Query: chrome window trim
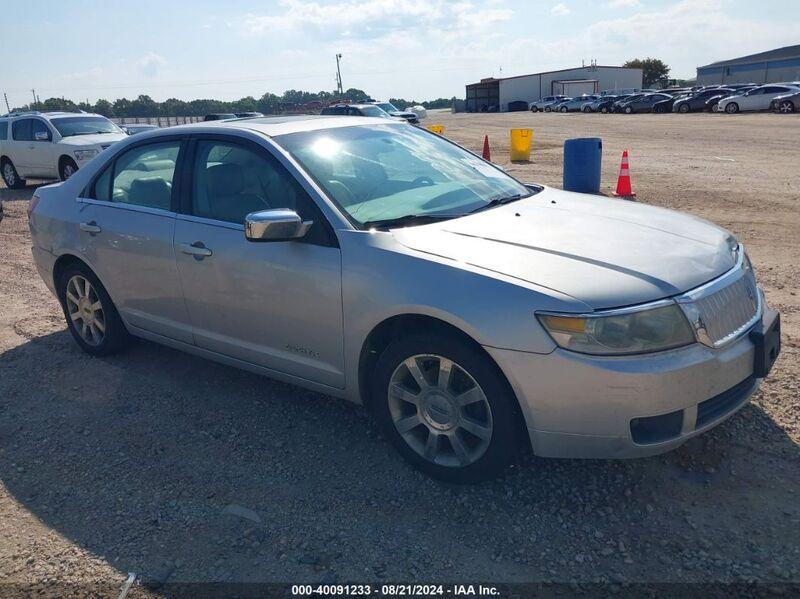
223	224
126	206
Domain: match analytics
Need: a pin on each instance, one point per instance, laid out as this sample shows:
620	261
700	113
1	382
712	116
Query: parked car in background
643	103
713	101
605	103
546	103
573	104
475	315
759	98
51	145
392	110
664	106
248	115
617	105
699	100
134	128
370	110
787	103
222	116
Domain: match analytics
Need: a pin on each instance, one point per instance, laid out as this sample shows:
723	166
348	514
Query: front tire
683	108
564	109
732	108
534	109
446	408
628	110
11	176
67	168
91	316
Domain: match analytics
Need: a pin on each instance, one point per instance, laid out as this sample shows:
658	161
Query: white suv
51	145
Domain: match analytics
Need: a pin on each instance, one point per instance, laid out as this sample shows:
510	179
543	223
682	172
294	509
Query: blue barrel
582	160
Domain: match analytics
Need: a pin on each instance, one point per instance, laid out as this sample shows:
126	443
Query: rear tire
683	108
458	416
11	176
786	107
564	109
548	109
91	316
628	110
534	109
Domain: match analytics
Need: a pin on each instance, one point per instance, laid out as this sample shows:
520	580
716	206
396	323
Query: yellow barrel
521	145
438	129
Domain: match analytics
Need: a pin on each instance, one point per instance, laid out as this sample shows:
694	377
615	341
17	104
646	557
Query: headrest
225	179
153	192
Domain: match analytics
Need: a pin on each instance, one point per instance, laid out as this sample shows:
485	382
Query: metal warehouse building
774	66
495	94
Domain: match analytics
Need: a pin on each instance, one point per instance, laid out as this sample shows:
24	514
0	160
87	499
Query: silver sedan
475	316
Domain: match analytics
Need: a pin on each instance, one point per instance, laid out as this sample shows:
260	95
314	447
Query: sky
413	49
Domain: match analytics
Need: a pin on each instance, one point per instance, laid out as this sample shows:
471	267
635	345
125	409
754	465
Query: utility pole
5	97
339	75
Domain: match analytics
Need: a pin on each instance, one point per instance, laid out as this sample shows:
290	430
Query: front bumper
579	406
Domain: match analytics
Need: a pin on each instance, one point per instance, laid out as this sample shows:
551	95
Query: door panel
278	305
133	256
275	304
127	230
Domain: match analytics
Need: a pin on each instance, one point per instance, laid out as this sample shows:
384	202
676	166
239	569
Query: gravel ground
180	469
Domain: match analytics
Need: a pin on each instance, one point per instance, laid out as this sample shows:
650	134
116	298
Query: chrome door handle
90	227
196	249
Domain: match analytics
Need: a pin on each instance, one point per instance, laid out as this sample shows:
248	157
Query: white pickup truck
51	145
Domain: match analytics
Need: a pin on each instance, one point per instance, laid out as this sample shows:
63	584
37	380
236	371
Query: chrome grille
725	308
729	310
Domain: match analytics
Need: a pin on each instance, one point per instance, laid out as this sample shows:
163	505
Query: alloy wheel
85	310
440	410
9	174
786	107
67	171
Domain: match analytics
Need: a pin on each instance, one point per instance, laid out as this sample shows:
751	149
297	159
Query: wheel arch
403	325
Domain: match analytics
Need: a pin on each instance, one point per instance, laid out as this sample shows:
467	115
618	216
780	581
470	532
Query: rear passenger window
143	176
21	130
3	129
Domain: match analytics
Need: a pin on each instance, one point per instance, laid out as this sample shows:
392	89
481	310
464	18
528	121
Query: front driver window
231	181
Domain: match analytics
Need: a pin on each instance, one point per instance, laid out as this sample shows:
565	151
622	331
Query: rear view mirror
279	224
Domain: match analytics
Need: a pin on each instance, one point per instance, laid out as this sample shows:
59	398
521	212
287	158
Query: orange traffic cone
624	182
486	154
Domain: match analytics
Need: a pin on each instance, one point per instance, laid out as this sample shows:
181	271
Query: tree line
269	103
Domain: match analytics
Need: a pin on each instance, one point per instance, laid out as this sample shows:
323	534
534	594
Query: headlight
620	332
86	154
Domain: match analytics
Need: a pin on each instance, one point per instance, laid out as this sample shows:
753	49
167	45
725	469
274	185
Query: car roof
272	126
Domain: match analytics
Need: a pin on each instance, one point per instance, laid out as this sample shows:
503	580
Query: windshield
388	107
84	125
374	111
384	172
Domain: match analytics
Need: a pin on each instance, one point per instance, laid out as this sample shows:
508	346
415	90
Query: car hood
403	113
605	253
96	139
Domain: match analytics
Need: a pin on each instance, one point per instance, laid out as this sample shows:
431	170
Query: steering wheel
423	180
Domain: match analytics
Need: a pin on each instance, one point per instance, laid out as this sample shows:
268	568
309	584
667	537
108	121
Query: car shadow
180	469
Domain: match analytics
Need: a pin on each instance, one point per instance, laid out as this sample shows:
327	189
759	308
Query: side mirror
279	224
42	136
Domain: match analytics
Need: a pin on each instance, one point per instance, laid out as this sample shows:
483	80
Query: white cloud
371	19
560	10
623	4
150	64
684	31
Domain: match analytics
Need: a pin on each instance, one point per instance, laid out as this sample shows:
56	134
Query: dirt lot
179	469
